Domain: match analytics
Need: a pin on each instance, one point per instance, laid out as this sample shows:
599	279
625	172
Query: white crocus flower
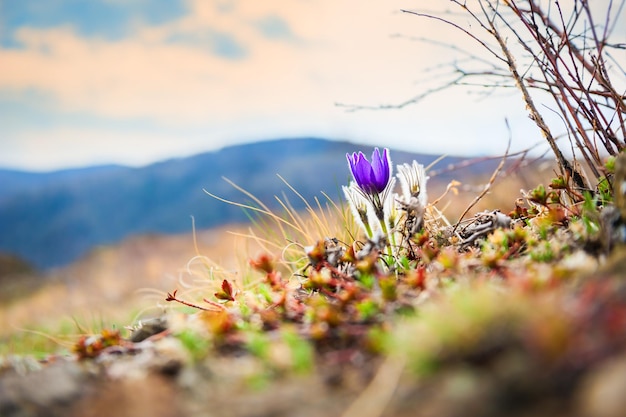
391	209
414	197
361	207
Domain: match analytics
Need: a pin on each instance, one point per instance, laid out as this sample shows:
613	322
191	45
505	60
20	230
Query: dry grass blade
262	208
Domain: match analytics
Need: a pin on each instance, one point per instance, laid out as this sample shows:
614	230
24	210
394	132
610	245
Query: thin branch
480	41
489	183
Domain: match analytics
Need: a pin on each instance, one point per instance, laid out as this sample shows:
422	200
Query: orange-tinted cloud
333	56
246	70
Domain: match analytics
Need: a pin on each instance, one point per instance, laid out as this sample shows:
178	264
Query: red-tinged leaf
222	296
227	292
227	288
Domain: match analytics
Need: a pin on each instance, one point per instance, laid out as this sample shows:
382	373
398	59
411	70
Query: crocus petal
413	181
370	177
351	161
380	170
365	174
361	171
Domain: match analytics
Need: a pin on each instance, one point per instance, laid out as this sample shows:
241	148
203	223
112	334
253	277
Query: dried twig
489	183
570	50
172	297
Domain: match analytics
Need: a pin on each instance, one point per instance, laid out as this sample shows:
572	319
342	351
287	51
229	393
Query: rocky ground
154	381
500	373
514	315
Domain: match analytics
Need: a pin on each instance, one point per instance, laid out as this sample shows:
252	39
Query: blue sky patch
274	27
227	46
90	18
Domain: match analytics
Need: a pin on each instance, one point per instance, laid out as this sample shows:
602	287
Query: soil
162	387
499	376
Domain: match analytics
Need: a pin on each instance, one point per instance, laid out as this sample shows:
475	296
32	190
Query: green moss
197	345
302	353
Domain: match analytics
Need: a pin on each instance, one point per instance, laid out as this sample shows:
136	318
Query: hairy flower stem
379	210
368	230
383	227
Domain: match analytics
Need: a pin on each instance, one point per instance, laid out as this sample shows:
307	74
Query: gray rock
47	392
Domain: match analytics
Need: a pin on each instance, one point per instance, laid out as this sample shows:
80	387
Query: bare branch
481	42
570	51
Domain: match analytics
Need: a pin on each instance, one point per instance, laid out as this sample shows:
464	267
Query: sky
136	81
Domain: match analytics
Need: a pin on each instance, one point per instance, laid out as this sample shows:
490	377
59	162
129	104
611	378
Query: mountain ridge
51	219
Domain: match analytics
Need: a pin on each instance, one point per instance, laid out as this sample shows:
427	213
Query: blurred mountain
13	182
51	219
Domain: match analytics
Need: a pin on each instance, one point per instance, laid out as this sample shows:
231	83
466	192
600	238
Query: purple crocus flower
370	177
